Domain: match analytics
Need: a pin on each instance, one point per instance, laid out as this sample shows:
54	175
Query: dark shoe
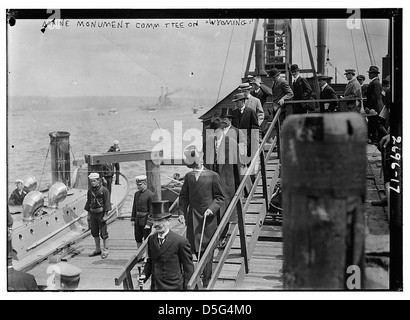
222	243
95	253
379	203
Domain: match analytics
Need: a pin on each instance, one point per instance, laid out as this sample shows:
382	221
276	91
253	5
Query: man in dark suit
301	90
327	92
244	118
200	198
224	154
169	261
374	106
281	91
19	280
361	78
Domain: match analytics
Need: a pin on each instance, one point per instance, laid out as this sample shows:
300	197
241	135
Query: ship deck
265	268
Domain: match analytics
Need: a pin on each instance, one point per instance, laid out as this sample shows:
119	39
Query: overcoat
170	265
194	199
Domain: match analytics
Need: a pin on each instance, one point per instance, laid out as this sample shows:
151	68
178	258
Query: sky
189	56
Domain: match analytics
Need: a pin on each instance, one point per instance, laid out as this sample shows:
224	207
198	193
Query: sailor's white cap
93	176
141	178
19	181
116	142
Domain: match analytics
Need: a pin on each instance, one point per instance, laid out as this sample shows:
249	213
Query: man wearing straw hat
352	90
252	102
200	199
169	261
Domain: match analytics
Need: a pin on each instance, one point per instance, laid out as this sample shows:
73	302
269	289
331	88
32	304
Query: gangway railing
237	206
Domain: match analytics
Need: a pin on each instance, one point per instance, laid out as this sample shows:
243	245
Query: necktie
161	241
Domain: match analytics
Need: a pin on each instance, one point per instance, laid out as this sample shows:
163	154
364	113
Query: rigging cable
300	40
313	39
41	179
370	43
226	59
354	50
372	62
244	48
328	46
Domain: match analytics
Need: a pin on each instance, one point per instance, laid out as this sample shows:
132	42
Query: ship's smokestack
60	157
259	61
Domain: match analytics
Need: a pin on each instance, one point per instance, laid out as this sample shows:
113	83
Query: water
30	120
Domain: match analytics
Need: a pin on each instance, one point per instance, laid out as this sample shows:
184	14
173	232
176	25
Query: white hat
93	176
116	142
19	181
141	178
245	86
256	80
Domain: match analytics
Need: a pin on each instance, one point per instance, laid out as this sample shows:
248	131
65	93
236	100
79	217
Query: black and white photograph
180	151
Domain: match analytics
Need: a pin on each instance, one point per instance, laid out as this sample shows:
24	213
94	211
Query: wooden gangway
247	237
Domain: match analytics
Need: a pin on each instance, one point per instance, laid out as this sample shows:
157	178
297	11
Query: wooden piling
324	187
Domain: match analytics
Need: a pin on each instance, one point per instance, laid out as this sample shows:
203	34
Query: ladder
278	44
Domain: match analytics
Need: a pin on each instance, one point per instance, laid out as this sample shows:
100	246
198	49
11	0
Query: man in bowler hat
301	90
374	106
245	119
327	92
169	263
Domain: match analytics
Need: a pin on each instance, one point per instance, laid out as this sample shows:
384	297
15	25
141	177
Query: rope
226	59
354	50
41	179
313	39
244	48
71	149
369	49
300	40
370	43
